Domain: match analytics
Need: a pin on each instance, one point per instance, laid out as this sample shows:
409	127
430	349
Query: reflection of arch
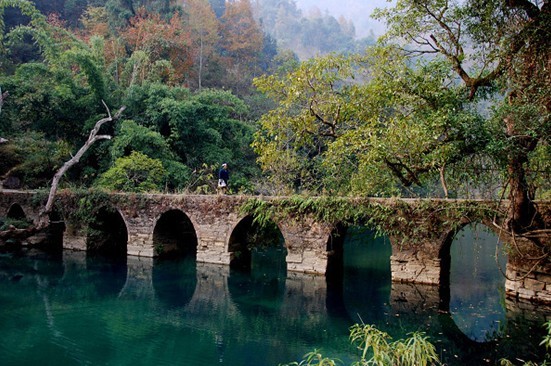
256	292
358	274
446	260
334	273
246	235
107	234
175	281
471	351
258	266
335	250
174	235
16	212
476	284
106	276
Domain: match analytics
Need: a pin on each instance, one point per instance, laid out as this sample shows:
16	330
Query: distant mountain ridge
358	11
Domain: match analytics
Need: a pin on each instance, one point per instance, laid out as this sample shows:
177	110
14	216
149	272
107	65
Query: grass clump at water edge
377	348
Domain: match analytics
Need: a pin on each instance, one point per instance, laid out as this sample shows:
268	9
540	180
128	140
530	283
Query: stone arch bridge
421	232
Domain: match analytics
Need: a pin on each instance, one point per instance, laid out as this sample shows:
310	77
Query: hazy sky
358	11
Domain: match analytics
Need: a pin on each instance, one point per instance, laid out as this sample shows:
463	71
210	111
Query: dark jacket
224	174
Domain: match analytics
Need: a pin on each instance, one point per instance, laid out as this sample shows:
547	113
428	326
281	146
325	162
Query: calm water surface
73	310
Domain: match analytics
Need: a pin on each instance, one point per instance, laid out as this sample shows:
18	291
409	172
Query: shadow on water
36	266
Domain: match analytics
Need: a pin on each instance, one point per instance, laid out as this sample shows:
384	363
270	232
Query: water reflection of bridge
211	298
205	296
212	228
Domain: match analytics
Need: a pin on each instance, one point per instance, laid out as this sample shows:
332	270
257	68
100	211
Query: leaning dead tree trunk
3	97
92	138
44	220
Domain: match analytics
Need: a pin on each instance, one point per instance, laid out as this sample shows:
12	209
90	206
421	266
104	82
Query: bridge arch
174	235
15	211
247	232
473	267
107	233
444	253
258	267
335	254
355	255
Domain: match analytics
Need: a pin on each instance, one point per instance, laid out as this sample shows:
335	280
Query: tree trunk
523	214
92	138
44	219
443	180
522	211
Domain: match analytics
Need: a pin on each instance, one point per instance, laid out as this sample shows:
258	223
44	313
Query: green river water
69	309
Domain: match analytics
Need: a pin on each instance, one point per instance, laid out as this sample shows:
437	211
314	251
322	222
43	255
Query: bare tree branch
92	138
3	97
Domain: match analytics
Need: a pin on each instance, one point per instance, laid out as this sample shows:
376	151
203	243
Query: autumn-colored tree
204	27
241	42
161	40
242	37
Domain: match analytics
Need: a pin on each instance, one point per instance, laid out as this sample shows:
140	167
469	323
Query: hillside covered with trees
183	69
452	102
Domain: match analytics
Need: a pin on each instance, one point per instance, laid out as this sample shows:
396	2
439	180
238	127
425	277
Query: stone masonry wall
215	217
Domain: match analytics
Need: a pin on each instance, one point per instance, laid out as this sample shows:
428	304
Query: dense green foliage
56	91
190	100
451	95
134	173
377	348
469	118
331	131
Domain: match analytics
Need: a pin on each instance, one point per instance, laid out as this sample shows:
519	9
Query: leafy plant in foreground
545	342
377	349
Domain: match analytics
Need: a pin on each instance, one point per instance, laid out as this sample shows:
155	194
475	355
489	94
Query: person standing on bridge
223	177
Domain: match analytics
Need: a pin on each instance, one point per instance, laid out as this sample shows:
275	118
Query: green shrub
134	173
